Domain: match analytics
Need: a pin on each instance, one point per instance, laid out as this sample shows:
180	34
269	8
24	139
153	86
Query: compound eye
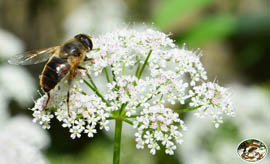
85	40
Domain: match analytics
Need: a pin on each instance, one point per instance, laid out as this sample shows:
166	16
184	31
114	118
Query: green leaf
175	10
210	29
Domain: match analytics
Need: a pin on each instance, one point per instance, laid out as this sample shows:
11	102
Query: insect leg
86	71
49	98
92	61
88	75
68	95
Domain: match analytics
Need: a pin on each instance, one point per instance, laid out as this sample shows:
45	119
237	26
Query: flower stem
128	121
144	65
113	75
107	75
117	141
123	68
187	109
97	92
134	116
138	69
91	80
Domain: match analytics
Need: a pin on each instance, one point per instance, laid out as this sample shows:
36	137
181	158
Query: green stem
128	121
138	69
144	64
134	116
123	68
122	108
96	92
117	141
107	75
110	118
187	109
149	98
91	80
113	75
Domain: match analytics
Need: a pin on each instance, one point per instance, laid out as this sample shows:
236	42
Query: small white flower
61	114
92	120
153	146
148	138
80	124
90	130
45	121
104	125
140	143
67	122
75	132
170	149
158	135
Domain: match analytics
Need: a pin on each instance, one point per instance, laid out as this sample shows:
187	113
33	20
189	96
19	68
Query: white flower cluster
22	141
212	100
128	47
253	120
124	91
158	124
87	111
144	70
10	86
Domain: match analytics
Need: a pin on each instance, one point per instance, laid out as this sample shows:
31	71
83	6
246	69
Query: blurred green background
234	36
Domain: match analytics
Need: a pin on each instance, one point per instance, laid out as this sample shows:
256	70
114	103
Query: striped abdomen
54	71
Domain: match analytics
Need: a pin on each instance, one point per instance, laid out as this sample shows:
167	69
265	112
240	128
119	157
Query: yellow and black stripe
54	71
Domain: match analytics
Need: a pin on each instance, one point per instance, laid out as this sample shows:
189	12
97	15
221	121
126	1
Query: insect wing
33	57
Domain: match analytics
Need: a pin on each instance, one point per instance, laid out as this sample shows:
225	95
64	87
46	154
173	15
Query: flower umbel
158	124
213	100
136	73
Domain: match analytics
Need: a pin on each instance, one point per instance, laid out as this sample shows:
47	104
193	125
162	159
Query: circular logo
252	150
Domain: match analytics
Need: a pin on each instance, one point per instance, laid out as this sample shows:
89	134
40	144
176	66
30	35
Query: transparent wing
33	57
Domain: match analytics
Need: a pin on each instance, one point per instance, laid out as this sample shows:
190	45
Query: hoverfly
63	63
